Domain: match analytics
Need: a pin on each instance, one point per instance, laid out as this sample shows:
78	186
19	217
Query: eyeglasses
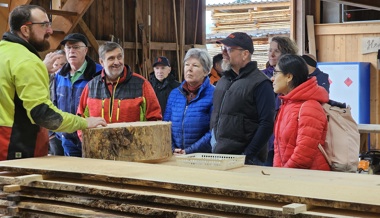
275	72
74	47
45	24
229	49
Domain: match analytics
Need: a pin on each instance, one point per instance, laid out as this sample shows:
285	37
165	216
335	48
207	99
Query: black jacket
163	89
242	118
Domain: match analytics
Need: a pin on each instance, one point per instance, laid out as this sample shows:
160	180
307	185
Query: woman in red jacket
301	123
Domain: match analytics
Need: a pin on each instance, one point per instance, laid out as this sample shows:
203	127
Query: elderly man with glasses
243	114
69	84
26	111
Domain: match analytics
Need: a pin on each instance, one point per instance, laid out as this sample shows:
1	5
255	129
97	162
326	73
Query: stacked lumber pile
251	20
83	187
261	19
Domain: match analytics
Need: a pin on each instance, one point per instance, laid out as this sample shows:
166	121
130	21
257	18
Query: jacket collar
89	72
126	74
247	69
205	84
165	82
315	73
11	37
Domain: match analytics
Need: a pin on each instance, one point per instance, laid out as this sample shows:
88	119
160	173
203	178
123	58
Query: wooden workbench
90	186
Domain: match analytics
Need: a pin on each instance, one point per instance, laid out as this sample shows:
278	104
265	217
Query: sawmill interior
129	169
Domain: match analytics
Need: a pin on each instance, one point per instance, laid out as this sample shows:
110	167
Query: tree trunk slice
135	141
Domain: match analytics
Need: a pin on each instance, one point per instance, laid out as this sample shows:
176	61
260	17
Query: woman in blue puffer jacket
189	106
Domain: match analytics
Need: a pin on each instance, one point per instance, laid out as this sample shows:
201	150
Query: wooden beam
182	36
146	63
311	35
203	22
91	38
15	3
62	13
177	41
293	24
66	24
369	4
347	28
232	6
196	22
317	11
300	25
4	13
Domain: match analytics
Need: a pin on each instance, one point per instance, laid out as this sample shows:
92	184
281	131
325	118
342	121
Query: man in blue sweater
243	115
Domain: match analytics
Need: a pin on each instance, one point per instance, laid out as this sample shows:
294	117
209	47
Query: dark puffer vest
235	117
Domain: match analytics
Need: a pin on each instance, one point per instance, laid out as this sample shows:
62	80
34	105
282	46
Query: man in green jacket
26	112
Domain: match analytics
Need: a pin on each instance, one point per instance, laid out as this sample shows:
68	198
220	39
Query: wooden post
176	41
196	23
311	35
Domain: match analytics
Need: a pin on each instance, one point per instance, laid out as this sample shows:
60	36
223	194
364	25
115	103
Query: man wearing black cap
162	80
26	111
243	115
322	78
70	82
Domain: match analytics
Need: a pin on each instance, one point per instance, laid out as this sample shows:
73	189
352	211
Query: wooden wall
145	28
154	28
342	43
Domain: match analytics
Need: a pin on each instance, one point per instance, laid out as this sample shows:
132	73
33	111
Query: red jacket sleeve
83	102
82	107
153	109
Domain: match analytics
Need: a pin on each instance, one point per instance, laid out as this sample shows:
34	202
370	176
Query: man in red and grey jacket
118	94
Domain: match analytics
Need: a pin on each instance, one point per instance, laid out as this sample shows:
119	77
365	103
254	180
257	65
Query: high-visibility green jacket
26	111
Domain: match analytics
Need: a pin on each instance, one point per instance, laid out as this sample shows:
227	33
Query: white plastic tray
211	161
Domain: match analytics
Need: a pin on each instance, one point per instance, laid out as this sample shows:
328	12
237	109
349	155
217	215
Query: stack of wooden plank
261	19
259	15
251	20
83	187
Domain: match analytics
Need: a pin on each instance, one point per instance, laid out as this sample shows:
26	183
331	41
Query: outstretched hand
49	60
93	122
178	151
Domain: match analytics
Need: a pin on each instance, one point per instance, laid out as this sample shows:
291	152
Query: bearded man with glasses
243	115
69	84
26	111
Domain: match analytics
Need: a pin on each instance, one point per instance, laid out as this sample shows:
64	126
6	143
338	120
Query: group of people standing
235	109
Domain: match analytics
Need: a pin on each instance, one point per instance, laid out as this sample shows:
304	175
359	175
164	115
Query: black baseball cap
239	39
161	60
75	37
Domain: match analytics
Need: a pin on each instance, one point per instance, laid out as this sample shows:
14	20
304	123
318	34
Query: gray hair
201	55
109	46
61	52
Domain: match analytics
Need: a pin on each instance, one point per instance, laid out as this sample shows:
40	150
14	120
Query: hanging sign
370	44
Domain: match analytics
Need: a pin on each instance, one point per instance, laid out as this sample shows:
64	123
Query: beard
226	65
113	74
38	44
